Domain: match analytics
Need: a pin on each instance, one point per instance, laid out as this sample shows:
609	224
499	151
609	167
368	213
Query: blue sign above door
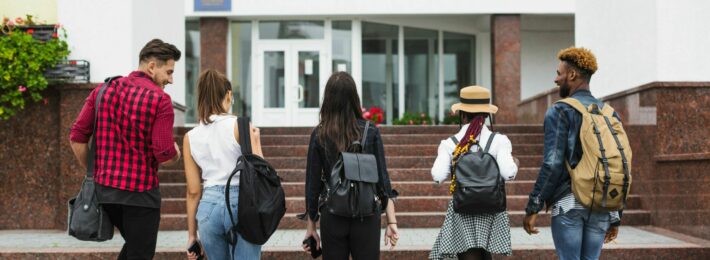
213	5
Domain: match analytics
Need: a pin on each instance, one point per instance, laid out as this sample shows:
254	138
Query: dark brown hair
159	50
212	88
339	112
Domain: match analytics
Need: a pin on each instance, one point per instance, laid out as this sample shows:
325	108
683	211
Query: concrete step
439	129
534	138
404	204
390	150
633	243
405	188
394	161
415	220
396	174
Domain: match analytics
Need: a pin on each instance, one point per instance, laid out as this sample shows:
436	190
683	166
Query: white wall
542	37
641	41
623	36
683	40
374	7
110	34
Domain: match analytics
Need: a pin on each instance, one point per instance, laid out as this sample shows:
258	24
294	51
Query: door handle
300	93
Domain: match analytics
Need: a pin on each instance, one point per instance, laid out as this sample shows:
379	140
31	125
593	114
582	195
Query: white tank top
215	150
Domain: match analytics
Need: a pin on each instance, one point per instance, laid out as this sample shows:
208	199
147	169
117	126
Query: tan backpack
602	179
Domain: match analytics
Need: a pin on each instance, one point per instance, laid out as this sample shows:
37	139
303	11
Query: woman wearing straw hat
473	236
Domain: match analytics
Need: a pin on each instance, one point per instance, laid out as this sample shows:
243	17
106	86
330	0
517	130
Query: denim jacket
562	143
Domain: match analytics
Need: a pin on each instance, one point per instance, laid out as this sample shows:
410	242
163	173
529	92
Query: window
192	69
342	46
379	68
421	71
458	62
290	30
241	68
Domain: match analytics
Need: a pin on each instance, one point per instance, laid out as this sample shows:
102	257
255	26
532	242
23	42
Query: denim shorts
213	225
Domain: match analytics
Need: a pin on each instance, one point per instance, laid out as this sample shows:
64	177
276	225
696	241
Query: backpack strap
574	103
605	162
624	162
490	141
364	135
454	139
244	135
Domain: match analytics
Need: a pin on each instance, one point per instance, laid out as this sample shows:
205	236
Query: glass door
289	83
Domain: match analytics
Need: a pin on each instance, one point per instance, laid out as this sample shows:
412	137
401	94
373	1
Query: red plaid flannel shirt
134	133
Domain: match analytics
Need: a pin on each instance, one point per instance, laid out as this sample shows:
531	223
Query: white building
405	55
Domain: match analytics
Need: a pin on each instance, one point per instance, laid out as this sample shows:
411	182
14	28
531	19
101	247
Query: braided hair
474	130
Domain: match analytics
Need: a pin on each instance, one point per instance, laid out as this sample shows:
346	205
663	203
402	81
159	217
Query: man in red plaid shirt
133	136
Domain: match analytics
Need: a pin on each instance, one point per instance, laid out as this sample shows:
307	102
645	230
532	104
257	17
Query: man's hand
611	234
529	224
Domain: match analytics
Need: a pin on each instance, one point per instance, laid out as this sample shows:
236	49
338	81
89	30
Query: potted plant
375	114
410	118
23	61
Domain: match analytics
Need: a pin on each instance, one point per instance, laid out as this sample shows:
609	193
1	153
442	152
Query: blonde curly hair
581	58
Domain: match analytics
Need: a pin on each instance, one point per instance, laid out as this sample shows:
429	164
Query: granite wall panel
505	37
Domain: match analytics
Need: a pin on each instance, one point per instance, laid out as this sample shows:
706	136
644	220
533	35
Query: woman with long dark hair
340	125
473	236
211	150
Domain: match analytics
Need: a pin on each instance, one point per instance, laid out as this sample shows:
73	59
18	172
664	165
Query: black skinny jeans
343	236
139	228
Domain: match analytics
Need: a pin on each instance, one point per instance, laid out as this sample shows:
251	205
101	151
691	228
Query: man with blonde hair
577	231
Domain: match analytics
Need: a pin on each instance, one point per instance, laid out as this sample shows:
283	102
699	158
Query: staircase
410	152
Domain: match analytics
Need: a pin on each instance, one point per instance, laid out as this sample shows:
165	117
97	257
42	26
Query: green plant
451	118
23	61
410	118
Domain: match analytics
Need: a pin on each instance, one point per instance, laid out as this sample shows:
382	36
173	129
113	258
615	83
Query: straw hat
475	99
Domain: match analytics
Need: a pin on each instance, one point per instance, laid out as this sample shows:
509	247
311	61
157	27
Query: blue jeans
213	224
578	234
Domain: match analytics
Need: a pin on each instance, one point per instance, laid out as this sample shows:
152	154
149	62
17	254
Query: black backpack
479	187
262	201
352	184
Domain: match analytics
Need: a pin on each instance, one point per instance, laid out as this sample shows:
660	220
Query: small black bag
88	221
262	201
352	184
479	186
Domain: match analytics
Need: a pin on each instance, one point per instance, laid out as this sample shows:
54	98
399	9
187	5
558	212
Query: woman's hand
391	235
192	255
311	232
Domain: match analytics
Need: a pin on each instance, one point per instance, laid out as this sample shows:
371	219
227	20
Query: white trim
400	62
356	55
326	58
441	75
256	102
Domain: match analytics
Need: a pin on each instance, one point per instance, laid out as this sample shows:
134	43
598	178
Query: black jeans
343	236
139	228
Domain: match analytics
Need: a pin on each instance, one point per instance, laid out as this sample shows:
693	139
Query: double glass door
290	78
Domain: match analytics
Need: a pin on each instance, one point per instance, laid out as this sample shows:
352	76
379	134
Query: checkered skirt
462	232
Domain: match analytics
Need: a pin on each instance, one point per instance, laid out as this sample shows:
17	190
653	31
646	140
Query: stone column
505	48
213	43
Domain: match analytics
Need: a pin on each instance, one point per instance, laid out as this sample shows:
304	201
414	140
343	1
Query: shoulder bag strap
454	139
92	147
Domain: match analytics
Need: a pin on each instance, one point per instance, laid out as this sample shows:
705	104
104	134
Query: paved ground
290	240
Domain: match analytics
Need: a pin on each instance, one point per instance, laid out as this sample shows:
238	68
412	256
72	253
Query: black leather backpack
479	186
262	202
352	184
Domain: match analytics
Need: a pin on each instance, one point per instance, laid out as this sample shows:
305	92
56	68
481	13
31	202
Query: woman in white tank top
211	151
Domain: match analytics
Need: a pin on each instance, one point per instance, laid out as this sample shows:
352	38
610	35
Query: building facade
406	56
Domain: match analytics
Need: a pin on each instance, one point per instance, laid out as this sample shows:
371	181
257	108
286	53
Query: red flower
367	115
55	35
30	31
45	101
18	20
411	122
423	115
72	62
57	26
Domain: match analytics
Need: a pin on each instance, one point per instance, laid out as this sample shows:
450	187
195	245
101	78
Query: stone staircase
410	152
